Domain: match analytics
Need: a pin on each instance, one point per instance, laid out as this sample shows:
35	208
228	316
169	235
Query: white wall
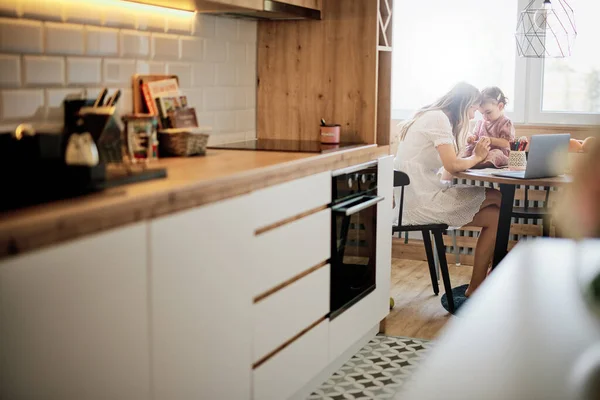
51	48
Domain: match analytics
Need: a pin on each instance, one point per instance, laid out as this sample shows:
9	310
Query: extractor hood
274	10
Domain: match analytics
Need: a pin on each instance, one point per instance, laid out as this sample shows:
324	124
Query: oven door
353	249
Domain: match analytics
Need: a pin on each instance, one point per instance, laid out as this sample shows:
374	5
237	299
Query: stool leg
436	261
429	252
439	242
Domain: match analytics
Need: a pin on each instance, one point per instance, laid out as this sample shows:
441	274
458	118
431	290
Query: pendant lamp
546	29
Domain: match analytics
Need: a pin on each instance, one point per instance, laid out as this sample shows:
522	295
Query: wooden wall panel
308	70
384	97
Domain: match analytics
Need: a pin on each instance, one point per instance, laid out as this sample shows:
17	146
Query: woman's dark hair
493	94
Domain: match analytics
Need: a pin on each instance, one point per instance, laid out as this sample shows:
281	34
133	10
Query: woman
428	146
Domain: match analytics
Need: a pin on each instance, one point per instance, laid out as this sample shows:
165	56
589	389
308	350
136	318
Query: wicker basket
183	142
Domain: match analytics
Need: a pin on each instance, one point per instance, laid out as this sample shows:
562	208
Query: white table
521	333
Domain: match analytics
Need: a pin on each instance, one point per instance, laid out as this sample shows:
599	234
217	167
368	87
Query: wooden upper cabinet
314	4
256	5
224	5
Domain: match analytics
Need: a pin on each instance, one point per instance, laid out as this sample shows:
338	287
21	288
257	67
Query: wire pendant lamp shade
546	29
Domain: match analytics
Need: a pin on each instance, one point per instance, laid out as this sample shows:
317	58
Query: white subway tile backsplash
226	74
41	70
64	38
135	43
246	75
54	101
22	104
251	53
125	102
225	121
83	12
215	50
194	97
10	70
118	71
156	67
180	24
205	26
250	97
245	120
20	36
227	29
192	48
101	45
206	119
215	99
101	41
46	10
237	53
247	31
152	22
204	74
84	71
235	98
165	47
55	97
183	71
142	67
121	17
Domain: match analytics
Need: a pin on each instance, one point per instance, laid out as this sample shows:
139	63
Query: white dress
427	199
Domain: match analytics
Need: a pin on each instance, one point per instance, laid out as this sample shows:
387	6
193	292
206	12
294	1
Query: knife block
106	128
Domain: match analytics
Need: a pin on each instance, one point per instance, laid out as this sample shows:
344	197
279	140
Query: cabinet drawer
284	314
286	251
292	368
289	199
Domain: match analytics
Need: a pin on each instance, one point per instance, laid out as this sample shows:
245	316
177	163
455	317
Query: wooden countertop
191	182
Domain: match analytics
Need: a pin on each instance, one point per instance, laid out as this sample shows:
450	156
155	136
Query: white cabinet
354	323
200	265
293	367
74	320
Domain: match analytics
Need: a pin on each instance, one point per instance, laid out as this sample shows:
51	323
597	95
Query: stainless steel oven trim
353	168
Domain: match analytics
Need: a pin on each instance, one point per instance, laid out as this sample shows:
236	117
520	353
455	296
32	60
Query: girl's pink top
502	128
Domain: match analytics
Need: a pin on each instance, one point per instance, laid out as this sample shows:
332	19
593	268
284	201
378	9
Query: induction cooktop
299	146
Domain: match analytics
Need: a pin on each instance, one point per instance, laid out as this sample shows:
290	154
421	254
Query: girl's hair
455	104
493	95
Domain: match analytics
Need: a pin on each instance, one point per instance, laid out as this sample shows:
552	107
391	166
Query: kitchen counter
191	182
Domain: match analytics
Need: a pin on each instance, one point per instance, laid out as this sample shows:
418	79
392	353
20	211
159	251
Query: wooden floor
418	312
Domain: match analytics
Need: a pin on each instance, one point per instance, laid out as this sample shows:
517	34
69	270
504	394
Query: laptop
548	157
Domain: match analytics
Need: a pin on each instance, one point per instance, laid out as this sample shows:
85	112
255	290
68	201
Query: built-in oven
353	230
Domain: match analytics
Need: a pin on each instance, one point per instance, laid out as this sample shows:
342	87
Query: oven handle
341	208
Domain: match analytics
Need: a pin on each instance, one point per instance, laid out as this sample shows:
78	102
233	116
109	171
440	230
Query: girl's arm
453	164
499	142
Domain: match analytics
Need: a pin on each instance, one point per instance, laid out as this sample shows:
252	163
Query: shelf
384	48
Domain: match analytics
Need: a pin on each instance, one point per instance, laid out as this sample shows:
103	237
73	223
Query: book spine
148	99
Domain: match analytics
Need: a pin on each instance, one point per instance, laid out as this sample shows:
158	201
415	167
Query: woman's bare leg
487	219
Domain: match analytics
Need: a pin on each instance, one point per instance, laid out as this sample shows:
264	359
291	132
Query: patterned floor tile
378	371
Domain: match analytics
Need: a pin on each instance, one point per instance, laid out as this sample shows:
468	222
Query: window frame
529	89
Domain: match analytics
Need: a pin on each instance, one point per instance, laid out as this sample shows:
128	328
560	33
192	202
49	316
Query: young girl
496	126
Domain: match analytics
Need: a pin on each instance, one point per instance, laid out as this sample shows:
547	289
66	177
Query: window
573	84
439	42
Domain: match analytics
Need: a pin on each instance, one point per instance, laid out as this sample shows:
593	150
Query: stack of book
164	99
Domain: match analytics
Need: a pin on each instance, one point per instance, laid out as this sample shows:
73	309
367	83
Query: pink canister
330	133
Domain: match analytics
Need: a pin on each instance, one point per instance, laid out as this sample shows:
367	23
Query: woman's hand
471	139
482	148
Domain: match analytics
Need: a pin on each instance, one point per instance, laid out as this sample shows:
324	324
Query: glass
439	42
573	84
